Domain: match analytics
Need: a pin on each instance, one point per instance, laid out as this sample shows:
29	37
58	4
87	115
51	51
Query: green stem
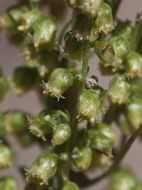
63	31
119	158
137	34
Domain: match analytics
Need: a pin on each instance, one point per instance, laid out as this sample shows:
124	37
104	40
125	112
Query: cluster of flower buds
123	179
3	85
94	146
8	183
91	104
52	121
42	169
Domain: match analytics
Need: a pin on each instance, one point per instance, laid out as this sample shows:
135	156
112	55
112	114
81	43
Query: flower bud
3	85
61	134
105	52
5	156
21	83
124	124
101	143
8	183
60	80
12	18
44	33
104	21
122	180
29	18
87	7
134	112
42	169
124	29
100	160
133	65
138	186
82	157
119	90
68	185
91	104
43	123
15	122
106	130
74	47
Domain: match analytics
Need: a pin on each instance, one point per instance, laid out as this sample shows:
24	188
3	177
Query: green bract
3	85
104	21
91	104
60	80
61	134
44	33
42	169
133	65
87	7
82	157
8	183
119	90
5	156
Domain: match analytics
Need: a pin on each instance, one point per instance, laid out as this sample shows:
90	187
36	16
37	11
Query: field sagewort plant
76	124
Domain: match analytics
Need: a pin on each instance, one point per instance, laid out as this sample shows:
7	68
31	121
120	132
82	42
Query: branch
119	158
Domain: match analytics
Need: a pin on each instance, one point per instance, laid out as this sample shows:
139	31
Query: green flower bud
124	124
68	185
44	33
119	90
21	83
138	186
87	7
5	156
61	134
101	143
124	29
3	85
134	112
100	160
121	47
8	183
74	47
43	123
12	18
122	180
60	80
82	157
106	130
42	169
105	51
2	126
104	21
29	18
15	122
133	65
27	139
91	104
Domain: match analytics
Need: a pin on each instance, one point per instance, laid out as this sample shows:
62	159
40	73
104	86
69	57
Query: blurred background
10	57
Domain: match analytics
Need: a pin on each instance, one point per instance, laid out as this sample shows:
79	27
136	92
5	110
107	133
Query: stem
63	31
119	158
137	34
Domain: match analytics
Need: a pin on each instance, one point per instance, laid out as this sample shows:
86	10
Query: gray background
10	57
